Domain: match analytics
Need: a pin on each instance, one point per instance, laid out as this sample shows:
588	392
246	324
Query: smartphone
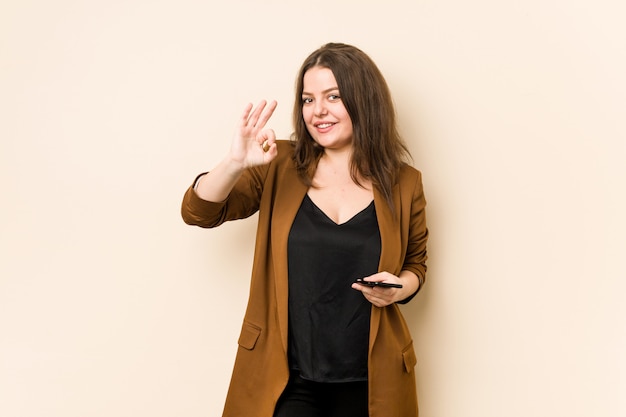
377	284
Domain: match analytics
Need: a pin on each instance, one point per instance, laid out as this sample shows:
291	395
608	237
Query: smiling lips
324	126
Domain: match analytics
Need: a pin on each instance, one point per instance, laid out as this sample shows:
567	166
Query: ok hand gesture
253	145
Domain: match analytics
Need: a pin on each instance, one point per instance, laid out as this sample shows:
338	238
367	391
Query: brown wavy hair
378	149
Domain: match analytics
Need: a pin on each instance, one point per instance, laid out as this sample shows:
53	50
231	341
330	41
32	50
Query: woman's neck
337	159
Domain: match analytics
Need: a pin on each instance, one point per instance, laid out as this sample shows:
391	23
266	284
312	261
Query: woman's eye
334	97
307	100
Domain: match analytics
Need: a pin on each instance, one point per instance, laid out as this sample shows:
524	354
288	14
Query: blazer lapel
389	225
290	192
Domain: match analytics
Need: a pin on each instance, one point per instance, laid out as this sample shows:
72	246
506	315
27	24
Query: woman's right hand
253	145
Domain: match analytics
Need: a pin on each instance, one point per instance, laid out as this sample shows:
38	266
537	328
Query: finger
256	113
265	116
267	139
266	136
246	114
378	302
379	296
270	153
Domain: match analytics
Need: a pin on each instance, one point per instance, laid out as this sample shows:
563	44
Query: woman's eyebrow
328	90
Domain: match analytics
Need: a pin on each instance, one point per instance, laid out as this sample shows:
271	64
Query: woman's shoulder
410	180
409	173
285	145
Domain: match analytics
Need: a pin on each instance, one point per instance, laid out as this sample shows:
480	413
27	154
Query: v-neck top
328	320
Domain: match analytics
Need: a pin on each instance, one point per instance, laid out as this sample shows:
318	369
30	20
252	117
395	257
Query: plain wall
514	111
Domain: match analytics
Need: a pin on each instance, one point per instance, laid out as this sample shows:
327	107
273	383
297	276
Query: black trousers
303	398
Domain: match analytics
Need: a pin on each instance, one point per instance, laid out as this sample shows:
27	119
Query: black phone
377	284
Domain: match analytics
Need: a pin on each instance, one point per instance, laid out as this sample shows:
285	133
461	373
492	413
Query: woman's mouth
322	127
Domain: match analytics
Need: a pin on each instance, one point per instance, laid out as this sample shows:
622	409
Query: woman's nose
320	108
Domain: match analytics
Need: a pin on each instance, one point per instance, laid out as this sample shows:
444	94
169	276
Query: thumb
267	138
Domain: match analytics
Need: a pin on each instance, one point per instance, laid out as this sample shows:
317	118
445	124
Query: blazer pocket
409	357
249	335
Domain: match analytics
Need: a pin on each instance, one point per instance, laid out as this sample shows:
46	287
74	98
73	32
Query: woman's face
323	112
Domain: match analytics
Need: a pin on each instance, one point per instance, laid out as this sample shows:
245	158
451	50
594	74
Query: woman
336	203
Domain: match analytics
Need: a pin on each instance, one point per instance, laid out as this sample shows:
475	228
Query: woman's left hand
384	296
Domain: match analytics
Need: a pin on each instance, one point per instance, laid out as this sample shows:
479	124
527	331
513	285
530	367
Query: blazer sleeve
243	201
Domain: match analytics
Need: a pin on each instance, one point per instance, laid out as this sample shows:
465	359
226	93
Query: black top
328	320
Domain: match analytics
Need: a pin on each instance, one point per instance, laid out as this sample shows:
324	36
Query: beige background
111	306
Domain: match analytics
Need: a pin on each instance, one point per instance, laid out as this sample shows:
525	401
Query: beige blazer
261	368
